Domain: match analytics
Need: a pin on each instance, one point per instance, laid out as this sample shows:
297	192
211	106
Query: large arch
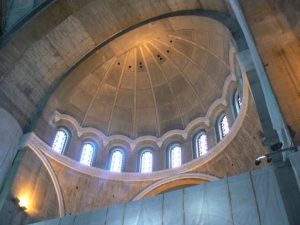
174	182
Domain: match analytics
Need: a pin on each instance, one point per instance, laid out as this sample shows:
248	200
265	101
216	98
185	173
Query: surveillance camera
276	146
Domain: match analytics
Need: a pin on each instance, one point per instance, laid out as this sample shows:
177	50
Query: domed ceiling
151	80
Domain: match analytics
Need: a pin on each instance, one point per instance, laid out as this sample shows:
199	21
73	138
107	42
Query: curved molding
38	145
198	176
31	144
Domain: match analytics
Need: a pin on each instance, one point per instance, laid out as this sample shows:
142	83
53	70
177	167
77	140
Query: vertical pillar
274	113
272	121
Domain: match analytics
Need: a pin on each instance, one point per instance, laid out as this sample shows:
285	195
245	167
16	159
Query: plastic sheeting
248	199
295	159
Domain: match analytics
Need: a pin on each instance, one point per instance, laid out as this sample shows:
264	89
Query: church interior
150	112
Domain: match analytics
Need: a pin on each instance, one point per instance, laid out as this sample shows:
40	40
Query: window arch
116	160
174	159
61	140
223	126
87	153
237	102
146	161
201	146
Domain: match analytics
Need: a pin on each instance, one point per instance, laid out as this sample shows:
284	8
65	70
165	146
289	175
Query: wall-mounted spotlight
258	159
277	149
23	203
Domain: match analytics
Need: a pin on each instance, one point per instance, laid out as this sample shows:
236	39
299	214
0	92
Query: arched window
87	153
60	140
146	161
223	126
201	144
174	156
237	103
116	160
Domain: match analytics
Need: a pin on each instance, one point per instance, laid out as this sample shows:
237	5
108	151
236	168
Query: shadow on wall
18	11
10	133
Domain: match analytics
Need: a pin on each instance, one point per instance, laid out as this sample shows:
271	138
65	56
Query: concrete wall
17	10
36	189
291	10
280	51
248	199
10	132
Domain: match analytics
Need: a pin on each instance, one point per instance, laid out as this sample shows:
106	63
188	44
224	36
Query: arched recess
173	183
47	164
33	186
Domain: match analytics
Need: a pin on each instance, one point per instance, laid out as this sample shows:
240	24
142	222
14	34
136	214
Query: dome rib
153	94
168	83
117	93
200	46
208	76
182	74
134	128
97	91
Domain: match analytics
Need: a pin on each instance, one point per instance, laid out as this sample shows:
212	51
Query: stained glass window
146	161
116	162
87	154
223	126
201	144
175	156
60	140
237	102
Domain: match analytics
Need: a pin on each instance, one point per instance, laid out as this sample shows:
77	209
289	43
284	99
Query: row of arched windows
174	152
